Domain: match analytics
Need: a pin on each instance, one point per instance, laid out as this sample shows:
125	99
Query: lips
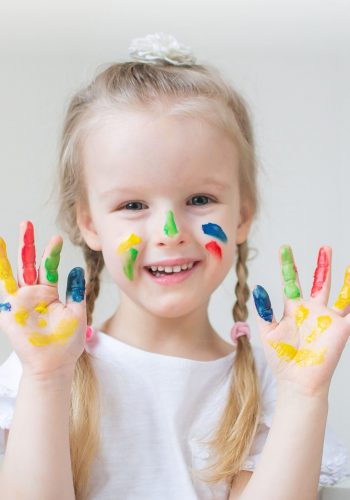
173	262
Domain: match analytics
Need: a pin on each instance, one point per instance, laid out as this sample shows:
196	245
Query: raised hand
304	347
47	335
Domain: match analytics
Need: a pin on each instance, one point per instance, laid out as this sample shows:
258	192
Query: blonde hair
191	90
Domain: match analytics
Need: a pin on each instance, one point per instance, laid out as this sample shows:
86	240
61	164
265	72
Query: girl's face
162	188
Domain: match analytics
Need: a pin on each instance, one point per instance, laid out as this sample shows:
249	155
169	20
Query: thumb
265	317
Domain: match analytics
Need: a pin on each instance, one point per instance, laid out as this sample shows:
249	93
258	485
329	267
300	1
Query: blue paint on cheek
5	306
214	230
76	284
262	303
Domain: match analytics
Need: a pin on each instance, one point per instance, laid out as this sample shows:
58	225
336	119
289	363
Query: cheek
121	256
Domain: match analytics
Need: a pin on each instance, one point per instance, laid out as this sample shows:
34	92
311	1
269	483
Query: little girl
157	182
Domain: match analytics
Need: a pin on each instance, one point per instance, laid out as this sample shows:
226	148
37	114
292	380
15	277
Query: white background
289	59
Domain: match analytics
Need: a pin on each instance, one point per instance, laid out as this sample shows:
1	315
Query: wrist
59	377
294	392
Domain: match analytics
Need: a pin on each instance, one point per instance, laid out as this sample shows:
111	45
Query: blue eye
131	203
201	197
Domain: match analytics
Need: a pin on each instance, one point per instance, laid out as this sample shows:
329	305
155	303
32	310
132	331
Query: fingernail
262	303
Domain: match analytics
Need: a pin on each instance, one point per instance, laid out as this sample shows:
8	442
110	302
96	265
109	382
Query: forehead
159	150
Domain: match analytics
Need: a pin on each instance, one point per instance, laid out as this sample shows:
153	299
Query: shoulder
10	375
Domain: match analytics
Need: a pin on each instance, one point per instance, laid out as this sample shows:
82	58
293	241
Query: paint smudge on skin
42	323
170	228
214	230
5	270
28	256
214	249
52	262
343	299
321	272
41	308
128	266
291	289
6	306
301	314
64	330
302	357
262	303
21	316
76	285
323	322
127	244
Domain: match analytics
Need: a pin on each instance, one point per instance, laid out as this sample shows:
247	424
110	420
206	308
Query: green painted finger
291	289
52	261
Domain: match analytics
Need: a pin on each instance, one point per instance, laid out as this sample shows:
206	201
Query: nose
170	232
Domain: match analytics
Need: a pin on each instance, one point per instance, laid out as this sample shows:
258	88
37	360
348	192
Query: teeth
172	269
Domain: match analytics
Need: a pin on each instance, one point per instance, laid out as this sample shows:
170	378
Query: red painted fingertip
321	272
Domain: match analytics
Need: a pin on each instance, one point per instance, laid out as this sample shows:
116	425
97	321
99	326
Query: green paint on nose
52	261
128	267
291	289
170	228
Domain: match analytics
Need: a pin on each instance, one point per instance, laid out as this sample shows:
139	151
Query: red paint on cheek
214	249
320	272
28	255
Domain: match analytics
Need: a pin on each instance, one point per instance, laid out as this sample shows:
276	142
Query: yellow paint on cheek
302	357
21	316
64	330
5	270
343	299
41	308
42	323
301	314
131	241
323	322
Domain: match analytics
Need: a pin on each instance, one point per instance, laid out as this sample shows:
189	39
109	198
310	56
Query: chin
172	308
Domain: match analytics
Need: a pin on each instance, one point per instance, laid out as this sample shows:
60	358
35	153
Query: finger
322	276
8	284
27	274
48	274
342	304
292	288
75	294
265	316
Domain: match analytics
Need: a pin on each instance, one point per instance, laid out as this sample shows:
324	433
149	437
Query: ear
87	228
246	219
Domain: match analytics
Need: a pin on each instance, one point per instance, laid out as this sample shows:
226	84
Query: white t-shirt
155	408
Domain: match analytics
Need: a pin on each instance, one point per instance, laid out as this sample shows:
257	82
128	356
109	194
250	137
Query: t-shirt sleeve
10	375
335	458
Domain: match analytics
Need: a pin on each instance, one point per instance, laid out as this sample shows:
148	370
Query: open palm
305	346
46	334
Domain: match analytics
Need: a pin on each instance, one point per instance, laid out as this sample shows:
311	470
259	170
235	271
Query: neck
189	336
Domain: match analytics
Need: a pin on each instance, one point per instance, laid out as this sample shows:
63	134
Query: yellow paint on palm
343	299
323	322
41	308
5	270
21	316
64	330
130	242
42	323
301	314
302	357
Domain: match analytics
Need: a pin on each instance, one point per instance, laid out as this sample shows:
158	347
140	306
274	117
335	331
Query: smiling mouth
175	270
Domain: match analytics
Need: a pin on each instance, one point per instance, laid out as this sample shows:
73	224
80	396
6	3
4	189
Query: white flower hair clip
161	46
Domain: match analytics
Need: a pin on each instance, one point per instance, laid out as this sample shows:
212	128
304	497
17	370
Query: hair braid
94	264
240	310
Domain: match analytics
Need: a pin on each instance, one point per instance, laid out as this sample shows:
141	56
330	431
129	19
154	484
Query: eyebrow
123	189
